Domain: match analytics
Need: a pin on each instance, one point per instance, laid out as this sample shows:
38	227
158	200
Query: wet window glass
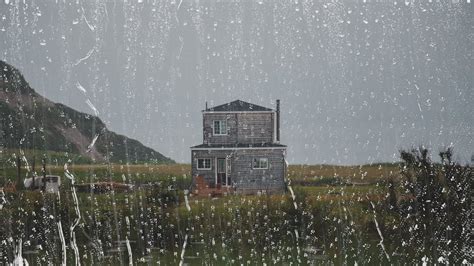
243	132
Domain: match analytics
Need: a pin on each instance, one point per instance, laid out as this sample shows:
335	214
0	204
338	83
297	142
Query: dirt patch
81	142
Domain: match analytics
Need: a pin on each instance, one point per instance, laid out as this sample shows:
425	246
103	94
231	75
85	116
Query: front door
221	172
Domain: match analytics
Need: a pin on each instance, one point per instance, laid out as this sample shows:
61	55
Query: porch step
202	188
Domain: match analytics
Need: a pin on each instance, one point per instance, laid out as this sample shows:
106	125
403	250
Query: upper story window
260	163
220	127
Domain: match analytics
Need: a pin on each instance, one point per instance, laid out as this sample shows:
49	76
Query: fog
357	81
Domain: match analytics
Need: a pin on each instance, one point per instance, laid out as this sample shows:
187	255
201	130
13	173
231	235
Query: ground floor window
204	164
260	163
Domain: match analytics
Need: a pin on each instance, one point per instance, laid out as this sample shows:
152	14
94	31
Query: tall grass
306	175
329	174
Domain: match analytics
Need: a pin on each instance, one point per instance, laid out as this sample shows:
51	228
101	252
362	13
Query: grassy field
357	174
306	175
231	230
331	214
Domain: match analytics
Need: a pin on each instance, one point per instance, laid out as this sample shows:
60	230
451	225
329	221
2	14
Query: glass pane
223	125
221	165
216	127
255	163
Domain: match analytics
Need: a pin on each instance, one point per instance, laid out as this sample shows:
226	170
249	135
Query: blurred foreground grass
331	213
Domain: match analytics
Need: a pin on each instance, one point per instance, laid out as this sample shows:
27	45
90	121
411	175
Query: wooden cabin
241	150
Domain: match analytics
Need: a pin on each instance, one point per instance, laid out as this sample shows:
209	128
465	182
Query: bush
436	203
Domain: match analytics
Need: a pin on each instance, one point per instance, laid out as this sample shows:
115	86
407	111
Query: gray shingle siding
208	127
244	177
244	127
255	128
247	178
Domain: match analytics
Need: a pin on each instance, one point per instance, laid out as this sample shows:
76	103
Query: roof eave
199	147
223	112
238	148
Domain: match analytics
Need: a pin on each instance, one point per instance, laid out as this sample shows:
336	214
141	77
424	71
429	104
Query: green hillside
31	122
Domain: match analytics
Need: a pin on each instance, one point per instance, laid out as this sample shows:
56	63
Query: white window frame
220	127
210	164
259	163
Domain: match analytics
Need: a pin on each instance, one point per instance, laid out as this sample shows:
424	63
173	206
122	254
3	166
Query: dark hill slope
30	121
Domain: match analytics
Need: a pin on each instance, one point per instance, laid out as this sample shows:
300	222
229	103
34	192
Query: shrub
436	203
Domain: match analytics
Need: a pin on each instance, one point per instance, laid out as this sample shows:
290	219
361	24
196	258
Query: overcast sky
357	82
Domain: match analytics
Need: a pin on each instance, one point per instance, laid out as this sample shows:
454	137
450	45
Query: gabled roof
238	106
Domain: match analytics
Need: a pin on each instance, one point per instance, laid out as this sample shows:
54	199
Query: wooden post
44	171
18	180
33	174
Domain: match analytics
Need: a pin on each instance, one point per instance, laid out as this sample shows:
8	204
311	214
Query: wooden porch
203	188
